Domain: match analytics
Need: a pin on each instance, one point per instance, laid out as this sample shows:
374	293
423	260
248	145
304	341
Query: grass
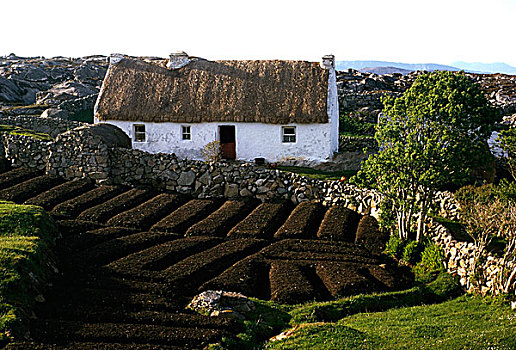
16	130
43	106
26	239
270	318
318	174
463	323
355	135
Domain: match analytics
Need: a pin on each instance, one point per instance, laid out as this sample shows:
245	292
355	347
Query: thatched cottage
277	110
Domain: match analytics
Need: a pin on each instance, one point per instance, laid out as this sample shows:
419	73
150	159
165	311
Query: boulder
222	303
65	91
88	72
9	92
55	113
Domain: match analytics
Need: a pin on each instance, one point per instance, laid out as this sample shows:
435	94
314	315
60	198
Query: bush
505	191
212	152
395	247
431	263
412	252
349	123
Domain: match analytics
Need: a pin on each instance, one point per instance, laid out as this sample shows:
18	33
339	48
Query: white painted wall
333	109
313	141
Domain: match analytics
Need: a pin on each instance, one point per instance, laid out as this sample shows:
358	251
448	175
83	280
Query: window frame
185	133
290	137
138	133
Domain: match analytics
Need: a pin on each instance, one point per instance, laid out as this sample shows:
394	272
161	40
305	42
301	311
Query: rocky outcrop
360	93
52	82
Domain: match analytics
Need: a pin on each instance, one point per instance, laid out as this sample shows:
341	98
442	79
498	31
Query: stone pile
221	303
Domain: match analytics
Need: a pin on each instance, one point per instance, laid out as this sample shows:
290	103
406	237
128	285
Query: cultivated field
131	259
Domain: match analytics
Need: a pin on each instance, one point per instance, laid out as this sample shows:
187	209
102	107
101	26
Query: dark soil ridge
127	271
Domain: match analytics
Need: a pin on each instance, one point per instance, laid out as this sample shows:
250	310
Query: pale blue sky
413	31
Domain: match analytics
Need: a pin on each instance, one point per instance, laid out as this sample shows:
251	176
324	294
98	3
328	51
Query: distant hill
498	67
359	65
384	70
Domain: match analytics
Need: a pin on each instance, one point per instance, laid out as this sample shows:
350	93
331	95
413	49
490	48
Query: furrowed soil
127	270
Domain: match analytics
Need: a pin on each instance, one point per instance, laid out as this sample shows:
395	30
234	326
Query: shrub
350	123
395	247
412	252
431	263
212	152
505	191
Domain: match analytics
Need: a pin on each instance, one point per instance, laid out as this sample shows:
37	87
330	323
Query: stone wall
207	180
20	150
459	260
51	126
78	154
357	144
354	101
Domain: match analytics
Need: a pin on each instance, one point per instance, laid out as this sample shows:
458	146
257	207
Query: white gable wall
333	109
313	141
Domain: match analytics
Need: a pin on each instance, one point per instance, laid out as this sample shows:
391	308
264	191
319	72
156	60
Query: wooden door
227	141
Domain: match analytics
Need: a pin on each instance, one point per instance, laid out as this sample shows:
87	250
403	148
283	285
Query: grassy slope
463	323
26	238
402	321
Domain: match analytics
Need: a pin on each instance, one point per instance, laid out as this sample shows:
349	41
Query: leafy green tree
431	136
508	143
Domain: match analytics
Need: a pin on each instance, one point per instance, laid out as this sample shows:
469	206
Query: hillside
359	65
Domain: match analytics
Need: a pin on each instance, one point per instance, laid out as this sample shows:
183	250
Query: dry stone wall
51	126
357	144
459	260
208	180
21	150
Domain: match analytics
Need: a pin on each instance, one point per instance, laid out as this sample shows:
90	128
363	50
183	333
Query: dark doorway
227	141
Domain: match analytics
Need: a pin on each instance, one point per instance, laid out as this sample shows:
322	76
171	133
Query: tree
431	136
508	143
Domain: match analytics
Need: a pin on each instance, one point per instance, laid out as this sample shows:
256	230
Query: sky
410	31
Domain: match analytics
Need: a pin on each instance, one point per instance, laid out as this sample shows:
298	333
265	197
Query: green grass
270	319
318	174
26	239
355	134
463	323
16	130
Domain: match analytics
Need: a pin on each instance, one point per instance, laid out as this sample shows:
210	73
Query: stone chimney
114	58
328	62
178	60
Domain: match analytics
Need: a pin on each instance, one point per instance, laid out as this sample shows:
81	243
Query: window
288	134
186	133
139	133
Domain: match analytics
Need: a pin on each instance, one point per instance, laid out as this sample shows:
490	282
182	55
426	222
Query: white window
288	134
139	133
186	133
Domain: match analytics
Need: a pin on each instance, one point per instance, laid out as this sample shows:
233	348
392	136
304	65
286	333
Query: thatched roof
278	92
